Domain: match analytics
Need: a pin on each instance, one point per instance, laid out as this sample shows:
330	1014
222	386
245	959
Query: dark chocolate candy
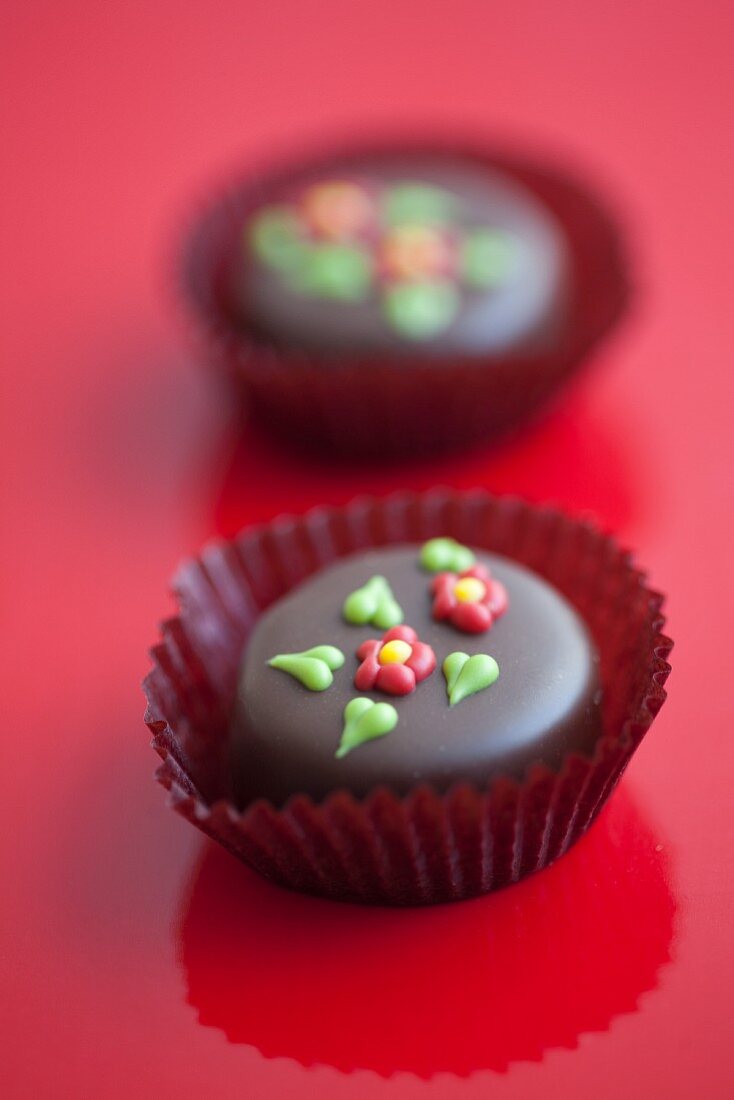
543	706
403	254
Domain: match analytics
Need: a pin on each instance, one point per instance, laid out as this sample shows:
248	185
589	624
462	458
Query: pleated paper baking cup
424	846
333	403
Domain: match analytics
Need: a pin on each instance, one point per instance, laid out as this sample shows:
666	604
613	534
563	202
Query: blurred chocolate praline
404	256
402	298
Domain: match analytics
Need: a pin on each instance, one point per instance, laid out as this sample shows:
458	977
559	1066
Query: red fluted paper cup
424	846
421	404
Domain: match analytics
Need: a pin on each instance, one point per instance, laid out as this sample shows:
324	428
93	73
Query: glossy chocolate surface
522	312
544	705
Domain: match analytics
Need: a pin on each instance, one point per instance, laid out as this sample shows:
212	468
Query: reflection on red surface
571	457
476	985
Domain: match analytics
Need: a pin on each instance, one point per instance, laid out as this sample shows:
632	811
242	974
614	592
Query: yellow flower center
396	652
469	590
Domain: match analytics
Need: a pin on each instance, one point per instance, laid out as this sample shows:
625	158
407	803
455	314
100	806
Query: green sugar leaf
467	675
373	603
364	721
313	668
329	654
417	204
443	555
338	271
421	310
388	612
487	258
452	666
275	238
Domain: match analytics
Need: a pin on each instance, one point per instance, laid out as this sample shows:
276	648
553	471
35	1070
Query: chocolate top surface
405	255
543	706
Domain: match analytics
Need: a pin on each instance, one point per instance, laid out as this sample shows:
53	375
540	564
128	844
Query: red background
136	958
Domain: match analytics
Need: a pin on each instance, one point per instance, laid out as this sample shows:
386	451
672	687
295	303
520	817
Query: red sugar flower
417	252
337	209
471	601
395	664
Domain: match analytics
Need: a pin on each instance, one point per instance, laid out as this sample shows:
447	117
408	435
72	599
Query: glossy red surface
139	959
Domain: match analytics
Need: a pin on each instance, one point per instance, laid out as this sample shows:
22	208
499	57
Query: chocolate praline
544	705
403	254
